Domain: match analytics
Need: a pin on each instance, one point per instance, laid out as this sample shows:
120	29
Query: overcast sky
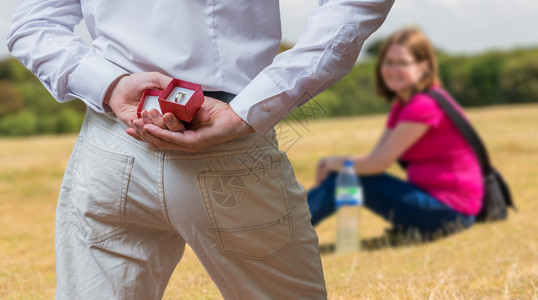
456	26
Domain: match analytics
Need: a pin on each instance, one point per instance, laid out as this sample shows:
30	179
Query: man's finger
181	140
138	125
172	123
145	117
167	135
160	81
203	115
145	136
132	132
153	117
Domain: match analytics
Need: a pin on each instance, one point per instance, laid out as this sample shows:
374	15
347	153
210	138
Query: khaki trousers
126	211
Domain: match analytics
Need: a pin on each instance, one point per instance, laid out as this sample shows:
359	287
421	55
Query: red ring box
184	109
148	101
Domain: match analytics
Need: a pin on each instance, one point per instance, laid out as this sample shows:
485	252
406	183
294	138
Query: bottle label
349	196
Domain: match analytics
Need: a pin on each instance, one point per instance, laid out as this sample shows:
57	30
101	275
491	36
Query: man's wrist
110	91
243	127
247	128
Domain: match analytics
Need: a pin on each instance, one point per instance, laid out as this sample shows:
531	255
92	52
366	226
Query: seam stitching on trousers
195	156
146	148
160	183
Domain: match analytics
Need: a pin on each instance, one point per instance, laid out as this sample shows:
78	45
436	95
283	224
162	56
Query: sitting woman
444	188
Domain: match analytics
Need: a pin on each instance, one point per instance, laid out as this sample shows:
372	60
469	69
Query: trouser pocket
100	183
248	210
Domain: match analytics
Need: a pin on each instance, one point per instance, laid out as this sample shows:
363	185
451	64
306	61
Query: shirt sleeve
421	108
42	37
326	51
394	113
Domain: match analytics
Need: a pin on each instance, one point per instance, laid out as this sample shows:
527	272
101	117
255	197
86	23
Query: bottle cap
348	163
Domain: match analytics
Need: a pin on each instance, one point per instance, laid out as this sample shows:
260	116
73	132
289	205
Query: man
136	190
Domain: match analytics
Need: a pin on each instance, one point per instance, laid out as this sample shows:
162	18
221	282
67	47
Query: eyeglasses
397	64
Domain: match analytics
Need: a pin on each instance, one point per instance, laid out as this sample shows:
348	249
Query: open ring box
182	98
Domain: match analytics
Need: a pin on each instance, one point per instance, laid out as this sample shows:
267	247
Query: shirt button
266	108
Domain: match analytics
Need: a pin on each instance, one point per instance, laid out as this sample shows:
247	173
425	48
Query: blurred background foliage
491	78
26	108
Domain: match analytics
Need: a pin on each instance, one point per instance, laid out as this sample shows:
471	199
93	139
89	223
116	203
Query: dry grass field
489	261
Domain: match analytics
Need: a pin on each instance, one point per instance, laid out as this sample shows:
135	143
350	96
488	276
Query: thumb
159	80
202	115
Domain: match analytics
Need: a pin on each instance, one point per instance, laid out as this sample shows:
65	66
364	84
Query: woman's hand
327	165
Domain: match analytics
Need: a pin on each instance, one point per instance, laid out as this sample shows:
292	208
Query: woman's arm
323	170
397	142
384	136
391	145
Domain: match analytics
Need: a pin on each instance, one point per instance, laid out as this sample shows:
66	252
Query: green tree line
26	107
473	80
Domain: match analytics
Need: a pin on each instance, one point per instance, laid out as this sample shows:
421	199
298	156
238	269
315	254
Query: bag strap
466	129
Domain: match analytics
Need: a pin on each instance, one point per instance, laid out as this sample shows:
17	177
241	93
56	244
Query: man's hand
214	123
124	94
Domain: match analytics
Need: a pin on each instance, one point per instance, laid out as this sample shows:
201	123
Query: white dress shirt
226	45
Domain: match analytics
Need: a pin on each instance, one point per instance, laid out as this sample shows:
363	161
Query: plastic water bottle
349	199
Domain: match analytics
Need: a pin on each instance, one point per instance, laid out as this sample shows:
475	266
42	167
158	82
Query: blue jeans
403	204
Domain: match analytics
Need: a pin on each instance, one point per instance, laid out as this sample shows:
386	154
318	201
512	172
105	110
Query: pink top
440	162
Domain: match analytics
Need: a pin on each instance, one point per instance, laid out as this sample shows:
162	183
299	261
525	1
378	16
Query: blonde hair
422	50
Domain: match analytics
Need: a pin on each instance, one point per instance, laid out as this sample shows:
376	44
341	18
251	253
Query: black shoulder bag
497	195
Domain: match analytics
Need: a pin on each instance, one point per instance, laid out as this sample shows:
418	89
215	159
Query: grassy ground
489	261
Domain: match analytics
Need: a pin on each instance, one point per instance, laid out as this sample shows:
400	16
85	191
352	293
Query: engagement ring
179	97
